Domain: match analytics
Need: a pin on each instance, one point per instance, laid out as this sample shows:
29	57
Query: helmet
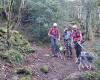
54	24
74	26
66	29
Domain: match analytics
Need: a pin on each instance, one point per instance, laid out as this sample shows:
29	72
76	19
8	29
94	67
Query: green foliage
41	15
5	58
20	43
15	6
98	2
23	71
17	39
97	61
1	6
24	50
42	12
25	78
97	52
15	56
91	76
2	31
19	46
3	44
40	34
97	64
97	49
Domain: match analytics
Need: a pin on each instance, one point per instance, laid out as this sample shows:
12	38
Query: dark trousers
78	49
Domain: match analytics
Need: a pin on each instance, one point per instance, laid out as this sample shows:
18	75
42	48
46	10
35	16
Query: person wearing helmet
66	34
77	38
54	35
68	41
77	35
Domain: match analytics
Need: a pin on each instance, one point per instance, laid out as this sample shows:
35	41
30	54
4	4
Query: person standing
77	38
68	41
54	35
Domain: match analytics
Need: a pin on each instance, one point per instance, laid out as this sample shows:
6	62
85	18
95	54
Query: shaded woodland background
34	17
24	23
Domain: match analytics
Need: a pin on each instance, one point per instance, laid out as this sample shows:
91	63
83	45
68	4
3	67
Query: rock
45	69
47	55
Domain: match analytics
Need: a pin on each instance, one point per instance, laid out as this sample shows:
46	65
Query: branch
19	14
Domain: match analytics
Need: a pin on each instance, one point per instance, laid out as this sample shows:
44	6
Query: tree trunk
19	15
91	35
9	24
87	25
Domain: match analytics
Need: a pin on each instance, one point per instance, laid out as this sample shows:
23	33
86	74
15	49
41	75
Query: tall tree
89	11
9	22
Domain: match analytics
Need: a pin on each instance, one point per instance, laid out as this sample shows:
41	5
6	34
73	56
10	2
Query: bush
15	56
3	44
97	51
19	46
40	14
2	31
97	64
25	78
28	50
24	50
91	76
18	40
5	58
23	71
40	34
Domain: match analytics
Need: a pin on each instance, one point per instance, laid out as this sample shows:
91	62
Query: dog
85	60
62	51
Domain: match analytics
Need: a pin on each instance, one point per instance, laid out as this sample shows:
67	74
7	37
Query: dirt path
6	70
58	68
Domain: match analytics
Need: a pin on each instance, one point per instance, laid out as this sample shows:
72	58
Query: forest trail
59	68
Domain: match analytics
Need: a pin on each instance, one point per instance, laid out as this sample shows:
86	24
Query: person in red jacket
54	35
77	38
